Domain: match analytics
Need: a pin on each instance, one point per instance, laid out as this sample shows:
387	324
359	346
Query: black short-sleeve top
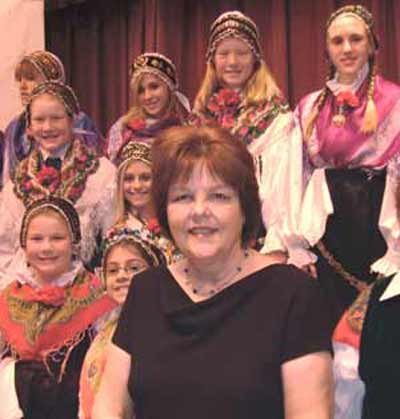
219	358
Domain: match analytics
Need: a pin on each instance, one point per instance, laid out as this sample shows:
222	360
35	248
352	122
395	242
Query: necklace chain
204	291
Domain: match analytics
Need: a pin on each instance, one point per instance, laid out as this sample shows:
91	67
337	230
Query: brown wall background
98	39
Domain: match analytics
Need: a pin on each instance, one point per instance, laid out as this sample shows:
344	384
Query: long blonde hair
260	87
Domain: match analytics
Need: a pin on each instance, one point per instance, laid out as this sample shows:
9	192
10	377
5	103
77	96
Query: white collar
393	289
336	87
59	153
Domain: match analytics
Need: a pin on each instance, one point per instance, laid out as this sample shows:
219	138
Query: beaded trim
339	269
47	64
156	64
134	150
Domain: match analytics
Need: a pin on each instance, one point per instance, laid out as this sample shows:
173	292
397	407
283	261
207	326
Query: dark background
98	39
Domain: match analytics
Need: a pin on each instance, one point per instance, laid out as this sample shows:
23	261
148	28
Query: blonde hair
260	88
136	111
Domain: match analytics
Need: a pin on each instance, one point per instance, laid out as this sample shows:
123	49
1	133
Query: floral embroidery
49	295
247	122
137	124
34	181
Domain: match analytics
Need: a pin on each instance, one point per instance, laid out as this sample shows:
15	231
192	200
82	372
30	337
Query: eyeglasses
131	270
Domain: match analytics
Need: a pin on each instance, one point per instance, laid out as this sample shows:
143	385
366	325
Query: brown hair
179	149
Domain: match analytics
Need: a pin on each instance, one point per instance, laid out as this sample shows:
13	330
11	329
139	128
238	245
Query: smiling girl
48	312
60	165
156	102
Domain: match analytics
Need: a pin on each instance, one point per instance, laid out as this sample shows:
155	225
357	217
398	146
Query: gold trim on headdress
47	64
234	24
359	12
155	64
134	150
63	207
61	91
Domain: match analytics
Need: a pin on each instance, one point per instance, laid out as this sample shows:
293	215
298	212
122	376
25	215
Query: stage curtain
98	39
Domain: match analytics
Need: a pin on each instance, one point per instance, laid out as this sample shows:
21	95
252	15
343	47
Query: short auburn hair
178	150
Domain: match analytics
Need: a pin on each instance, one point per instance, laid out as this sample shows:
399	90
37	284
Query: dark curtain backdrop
97	40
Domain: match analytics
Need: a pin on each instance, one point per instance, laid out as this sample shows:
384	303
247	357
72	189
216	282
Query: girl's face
50	125
48	246
123	262
26	84
153	96
137	185
234	63
348	46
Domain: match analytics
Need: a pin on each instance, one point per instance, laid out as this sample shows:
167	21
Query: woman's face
348	46
123	262
204	216
234	63
48	246
137	185
50	125
153	96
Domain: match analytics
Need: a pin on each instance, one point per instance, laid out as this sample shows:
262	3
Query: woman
348	140
134	204
239	93
199	353
156	102
33	69
126	253
60	165
47	315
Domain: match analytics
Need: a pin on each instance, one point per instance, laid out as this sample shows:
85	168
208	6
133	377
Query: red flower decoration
228	121
228	97
137	124
347	98
49	294
49	177
154	226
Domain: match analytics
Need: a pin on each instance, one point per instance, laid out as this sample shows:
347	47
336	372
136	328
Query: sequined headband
234	24
134	150
140	237
59	90
64	208
47	64
158	65
359	12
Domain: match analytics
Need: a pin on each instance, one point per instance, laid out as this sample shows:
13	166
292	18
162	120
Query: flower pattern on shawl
226	109
34	181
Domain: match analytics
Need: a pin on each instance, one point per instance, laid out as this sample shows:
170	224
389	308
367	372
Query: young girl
134	204
47	315
156	102
126	253
239	93
59	165
33	69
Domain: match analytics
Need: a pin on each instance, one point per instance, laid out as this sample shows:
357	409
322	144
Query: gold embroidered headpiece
133	150
141	237
234	24
158	65
63	207
59	90
359	12
47	64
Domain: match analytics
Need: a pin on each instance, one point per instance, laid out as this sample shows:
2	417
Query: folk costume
77	174
347	167
18	144
135	126
45	331
126	216
96	357
263	125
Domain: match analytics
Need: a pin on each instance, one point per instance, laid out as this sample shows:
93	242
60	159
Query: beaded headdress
63	207
359	12
134	150
141	237
59	90
158	65
47	64
234	24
